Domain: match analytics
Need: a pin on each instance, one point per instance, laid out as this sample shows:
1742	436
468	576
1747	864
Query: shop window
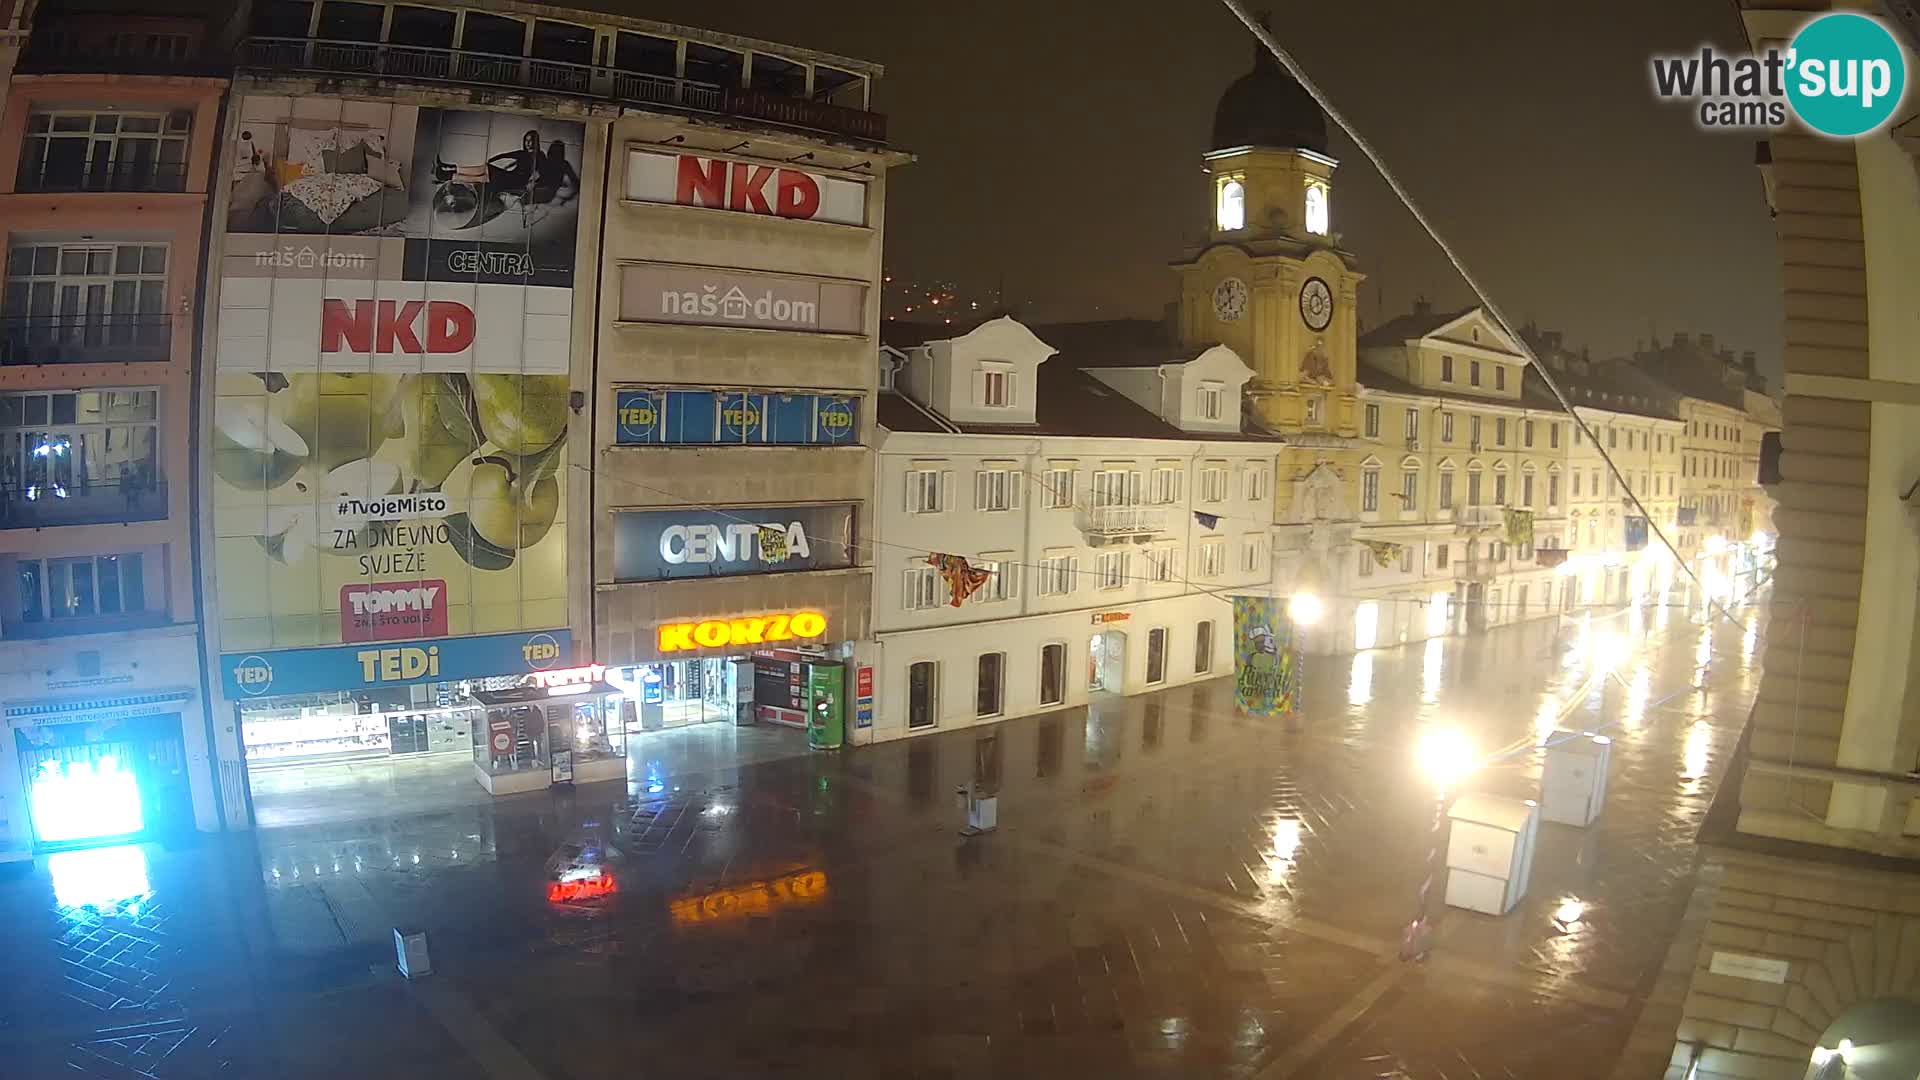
923	685
987	697
1203	647
1053	673
1156	655
74	457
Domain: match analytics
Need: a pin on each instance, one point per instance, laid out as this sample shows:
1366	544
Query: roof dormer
986	375
1201	394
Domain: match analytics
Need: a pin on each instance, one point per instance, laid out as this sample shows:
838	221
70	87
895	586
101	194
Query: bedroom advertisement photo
390	415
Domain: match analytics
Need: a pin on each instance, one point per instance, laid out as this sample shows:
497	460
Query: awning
95	710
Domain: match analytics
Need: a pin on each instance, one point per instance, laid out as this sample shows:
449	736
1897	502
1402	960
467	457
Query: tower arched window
1232	212
1317	216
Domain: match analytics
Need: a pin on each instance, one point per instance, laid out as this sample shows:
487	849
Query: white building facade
1112	557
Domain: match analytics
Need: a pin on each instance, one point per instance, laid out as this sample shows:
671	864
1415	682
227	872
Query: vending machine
826	704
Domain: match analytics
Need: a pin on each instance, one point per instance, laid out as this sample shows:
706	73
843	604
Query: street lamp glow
1716	544
1822	1055
1845	1051
1446	756
1305	608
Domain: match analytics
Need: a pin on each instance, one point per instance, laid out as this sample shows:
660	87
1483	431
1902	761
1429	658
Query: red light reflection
584	888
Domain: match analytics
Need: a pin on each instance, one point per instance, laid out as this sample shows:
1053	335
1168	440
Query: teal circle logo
1845	75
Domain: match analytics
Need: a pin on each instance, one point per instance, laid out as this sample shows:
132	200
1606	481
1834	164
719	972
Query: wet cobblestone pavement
1173	891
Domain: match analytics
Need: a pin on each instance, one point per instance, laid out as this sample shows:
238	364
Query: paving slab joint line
497	1057
1350	1011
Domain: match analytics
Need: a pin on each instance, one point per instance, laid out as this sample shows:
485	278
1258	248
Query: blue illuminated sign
656	417
380	664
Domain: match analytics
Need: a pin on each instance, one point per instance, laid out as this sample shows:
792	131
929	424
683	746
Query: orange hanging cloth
963	579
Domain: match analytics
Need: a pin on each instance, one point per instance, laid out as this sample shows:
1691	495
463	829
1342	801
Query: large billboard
712	296
391	374
1266	658
744	187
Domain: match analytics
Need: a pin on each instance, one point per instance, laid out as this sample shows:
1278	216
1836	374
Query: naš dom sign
751	630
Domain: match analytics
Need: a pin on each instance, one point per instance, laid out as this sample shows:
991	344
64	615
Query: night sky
1059	145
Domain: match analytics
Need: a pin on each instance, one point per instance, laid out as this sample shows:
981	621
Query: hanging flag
963	579
1207	521
1519	527
1385	553
773	544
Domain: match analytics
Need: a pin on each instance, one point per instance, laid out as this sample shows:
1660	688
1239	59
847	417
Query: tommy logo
393	611
395	326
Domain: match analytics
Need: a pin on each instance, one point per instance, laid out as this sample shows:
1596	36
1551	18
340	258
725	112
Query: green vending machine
826	704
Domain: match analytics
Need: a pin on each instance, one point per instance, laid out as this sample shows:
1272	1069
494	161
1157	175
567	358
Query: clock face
1316	304
1230	299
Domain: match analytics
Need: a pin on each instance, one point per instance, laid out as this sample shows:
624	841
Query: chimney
1552	338
1749	362
1422	308
1706	343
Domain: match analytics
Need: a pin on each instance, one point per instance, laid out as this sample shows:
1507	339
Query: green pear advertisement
389	436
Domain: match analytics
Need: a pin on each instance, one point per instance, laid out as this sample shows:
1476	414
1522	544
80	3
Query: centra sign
752	630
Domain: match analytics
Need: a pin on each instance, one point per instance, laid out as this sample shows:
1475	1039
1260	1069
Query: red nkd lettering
701	182
796	195
391	326
749	189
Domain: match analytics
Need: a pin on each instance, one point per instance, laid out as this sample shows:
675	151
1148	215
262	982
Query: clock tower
1271	281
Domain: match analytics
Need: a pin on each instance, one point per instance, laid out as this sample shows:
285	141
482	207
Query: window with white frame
1553	436
925	490
106	150
88	294
1116	487
922	588
1441	553
1446	489
1499	377
1576	483
1111	569
1446	369
1499	489
1473	487
1411	425
1055	574
1367	561
1254	553
1213	558
1500	431
1446	427
1209	398
1002	578
1163	563
1164	485
1370	491
996	386
1526	489
1473	373
1473	431
1213	484
1316	409
1059	493
1406	559
1526	433
997	487
1256	483
1372	416
1410	489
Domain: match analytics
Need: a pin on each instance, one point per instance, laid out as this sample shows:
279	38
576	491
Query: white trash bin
1573	784
1490	852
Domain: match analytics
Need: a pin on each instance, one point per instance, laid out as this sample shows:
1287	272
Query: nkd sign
662	293
769	190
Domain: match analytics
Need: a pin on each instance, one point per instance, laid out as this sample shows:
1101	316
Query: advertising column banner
391	402
1266	658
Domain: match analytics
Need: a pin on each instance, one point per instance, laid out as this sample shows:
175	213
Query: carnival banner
1519	527
1385	553
1266	658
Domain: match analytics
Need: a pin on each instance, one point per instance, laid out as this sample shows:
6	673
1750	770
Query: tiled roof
1404	328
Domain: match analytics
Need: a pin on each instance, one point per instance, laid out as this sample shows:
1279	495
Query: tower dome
1266	107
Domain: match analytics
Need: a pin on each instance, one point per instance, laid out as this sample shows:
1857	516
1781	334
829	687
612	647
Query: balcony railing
47	505
1475	569
1478	517
42	176
378	60
1120	521
85	339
